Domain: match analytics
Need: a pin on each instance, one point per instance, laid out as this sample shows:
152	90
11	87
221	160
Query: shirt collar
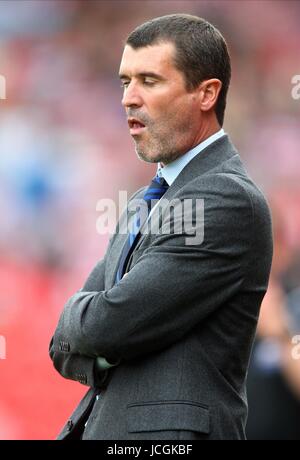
170	171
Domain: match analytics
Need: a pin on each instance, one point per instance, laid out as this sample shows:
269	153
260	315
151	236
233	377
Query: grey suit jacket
181	323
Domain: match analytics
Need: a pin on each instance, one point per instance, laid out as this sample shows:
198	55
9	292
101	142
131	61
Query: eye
124	83
148	82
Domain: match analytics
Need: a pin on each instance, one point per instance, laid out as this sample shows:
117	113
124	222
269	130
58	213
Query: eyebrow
123	76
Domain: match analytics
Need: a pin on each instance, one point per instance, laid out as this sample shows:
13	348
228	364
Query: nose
131	96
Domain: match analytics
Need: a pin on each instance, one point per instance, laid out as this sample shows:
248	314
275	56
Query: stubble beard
157	150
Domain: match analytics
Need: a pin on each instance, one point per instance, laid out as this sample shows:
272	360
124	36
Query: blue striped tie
152	194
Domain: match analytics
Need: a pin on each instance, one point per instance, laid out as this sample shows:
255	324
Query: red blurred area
35	401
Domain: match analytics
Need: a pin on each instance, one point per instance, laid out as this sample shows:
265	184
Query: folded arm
74	366
172	287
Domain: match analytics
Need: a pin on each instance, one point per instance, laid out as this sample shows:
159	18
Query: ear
208	93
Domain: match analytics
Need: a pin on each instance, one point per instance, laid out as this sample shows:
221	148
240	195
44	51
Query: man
163	327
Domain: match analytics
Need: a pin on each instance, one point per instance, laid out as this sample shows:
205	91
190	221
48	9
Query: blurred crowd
64	145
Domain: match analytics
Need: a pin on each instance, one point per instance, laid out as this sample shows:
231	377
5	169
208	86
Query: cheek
176	117
172	113
167	110
163	105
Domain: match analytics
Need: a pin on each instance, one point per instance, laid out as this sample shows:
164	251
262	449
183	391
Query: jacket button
64	346
69	425
82	378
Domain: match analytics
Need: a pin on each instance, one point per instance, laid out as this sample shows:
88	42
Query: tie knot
160	180
156	189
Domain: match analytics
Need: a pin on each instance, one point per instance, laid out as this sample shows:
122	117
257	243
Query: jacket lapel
213	155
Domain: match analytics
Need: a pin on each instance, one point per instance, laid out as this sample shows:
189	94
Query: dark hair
201	50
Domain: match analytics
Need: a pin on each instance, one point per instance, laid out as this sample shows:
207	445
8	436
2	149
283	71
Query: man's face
164	118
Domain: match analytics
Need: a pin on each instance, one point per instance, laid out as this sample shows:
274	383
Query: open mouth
133	123
135	126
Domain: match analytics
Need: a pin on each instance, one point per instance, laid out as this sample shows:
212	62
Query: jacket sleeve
75	366
95	280
80	368
172	287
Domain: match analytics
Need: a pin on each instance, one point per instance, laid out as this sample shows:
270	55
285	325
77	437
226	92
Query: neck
204	133
207	129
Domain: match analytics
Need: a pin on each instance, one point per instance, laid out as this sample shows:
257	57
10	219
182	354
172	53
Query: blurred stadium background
64	144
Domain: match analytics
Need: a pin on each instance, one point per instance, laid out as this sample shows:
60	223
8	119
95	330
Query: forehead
157	58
